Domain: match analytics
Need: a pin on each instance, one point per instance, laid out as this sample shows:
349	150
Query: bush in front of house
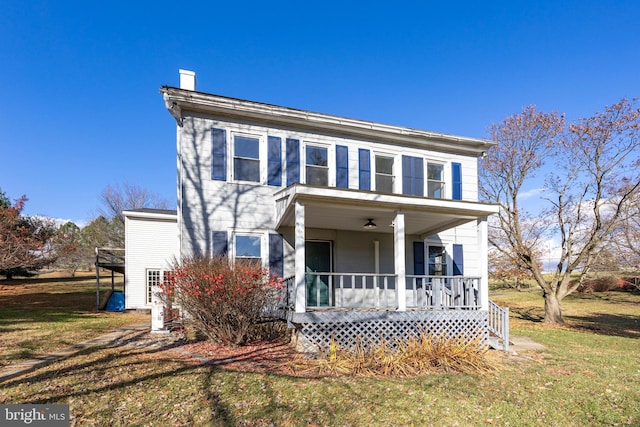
223	301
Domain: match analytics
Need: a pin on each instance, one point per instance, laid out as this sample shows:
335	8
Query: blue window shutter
218	154
220	247
458	260
456	181
418	180
342	166
412	176
293	161
418	258
274	161
276	258
364	167
406	175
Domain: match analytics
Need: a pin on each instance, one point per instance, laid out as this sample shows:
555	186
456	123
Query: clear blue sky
81	109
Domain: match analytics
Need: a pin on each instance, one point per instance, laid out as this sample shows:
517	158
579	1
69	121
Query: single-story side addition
151	237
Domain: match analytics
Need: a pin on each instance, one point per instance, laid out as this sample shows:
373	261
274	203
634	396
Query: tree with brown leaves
593	176
24	241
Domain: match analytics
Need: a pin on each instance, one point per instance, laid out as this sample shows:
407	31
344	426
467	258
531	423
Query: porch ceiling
345	209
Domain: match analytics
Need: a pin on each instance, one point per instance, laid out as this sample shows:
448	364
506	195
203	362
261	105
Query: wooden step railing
499	323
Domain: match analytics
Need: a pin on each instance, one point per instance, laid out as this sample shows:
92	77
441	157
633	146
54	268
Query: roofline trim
178	100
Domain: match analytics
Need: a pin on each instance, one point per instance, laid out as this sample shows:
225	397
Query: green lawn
588	375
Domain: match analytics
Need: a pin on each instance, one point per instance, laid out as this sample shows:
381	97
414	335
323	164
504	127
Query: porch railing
499	323
379	291
351	290
443	292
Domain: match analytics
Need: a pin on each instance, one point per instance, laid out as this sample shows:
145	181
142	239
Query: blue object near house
116	302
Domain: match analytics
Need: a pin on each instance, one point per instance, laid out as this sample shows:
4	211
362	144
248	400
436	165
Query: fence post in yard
157	313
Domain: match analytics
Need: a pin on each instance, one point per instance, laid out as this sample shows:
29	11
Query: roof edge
178	100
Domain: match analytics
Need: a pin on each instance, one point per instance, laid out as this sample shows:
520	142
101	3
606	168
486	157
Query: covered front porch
355	249
349	279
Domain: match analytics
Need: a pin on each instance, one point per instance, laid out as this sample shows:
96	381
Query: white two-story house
376	229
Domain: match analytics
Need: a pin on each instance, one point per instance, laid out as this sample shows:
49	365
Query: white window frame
330	148
445	258
442	181
262	155
149	287
264	256
394	170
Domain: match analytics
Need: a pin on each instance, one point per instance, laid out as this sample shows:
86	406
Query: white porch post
483	249
399	257
300	270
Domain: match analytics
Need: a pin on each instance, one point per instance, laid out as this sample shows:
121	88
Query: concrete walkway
520	343
125	333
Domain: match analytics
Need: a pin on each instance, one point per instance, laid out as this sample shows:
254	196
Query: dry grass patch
426	354
40	315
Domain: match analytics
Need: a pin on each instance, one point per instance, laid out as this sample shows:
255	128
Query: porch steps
498	326
496	343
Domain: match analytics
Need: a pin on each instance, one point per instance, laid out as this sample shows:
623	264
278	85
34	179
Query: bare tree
626	238
118	198
592	180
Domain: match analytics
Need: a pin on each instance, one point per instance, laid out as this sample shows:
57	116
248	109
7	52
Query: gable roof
179	100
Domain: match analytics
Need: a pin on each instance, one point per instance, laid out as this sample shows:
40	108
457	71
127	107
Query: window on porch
437	261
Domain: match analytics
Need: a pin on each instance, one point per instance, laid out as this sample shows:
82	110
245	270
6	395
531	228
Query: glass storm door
318	260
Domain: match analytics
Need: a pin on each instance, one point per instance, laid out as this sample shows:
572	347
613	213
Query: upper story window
317	165
435	180
246	158
384	174
248	247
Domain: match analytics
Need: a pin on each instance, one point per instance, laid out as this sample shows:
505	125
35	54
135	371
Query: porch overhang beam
348	209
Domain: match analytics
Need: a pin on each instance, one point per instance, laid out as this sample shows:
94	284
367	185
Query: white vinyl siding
151	246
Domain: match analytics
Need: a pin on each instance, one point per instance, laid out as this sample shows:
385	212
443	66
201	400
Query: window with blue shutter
316	165
274	161
342	166
218	154
412	176
276	258
220	245
364	168
293	161
456	181
458	260
246	158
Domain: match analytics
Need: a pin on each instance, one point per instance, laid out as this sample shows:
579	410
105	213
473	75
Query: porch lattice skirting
315	329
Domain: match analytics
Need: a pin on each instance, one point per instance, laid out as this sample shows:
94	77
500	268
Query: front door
318	260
